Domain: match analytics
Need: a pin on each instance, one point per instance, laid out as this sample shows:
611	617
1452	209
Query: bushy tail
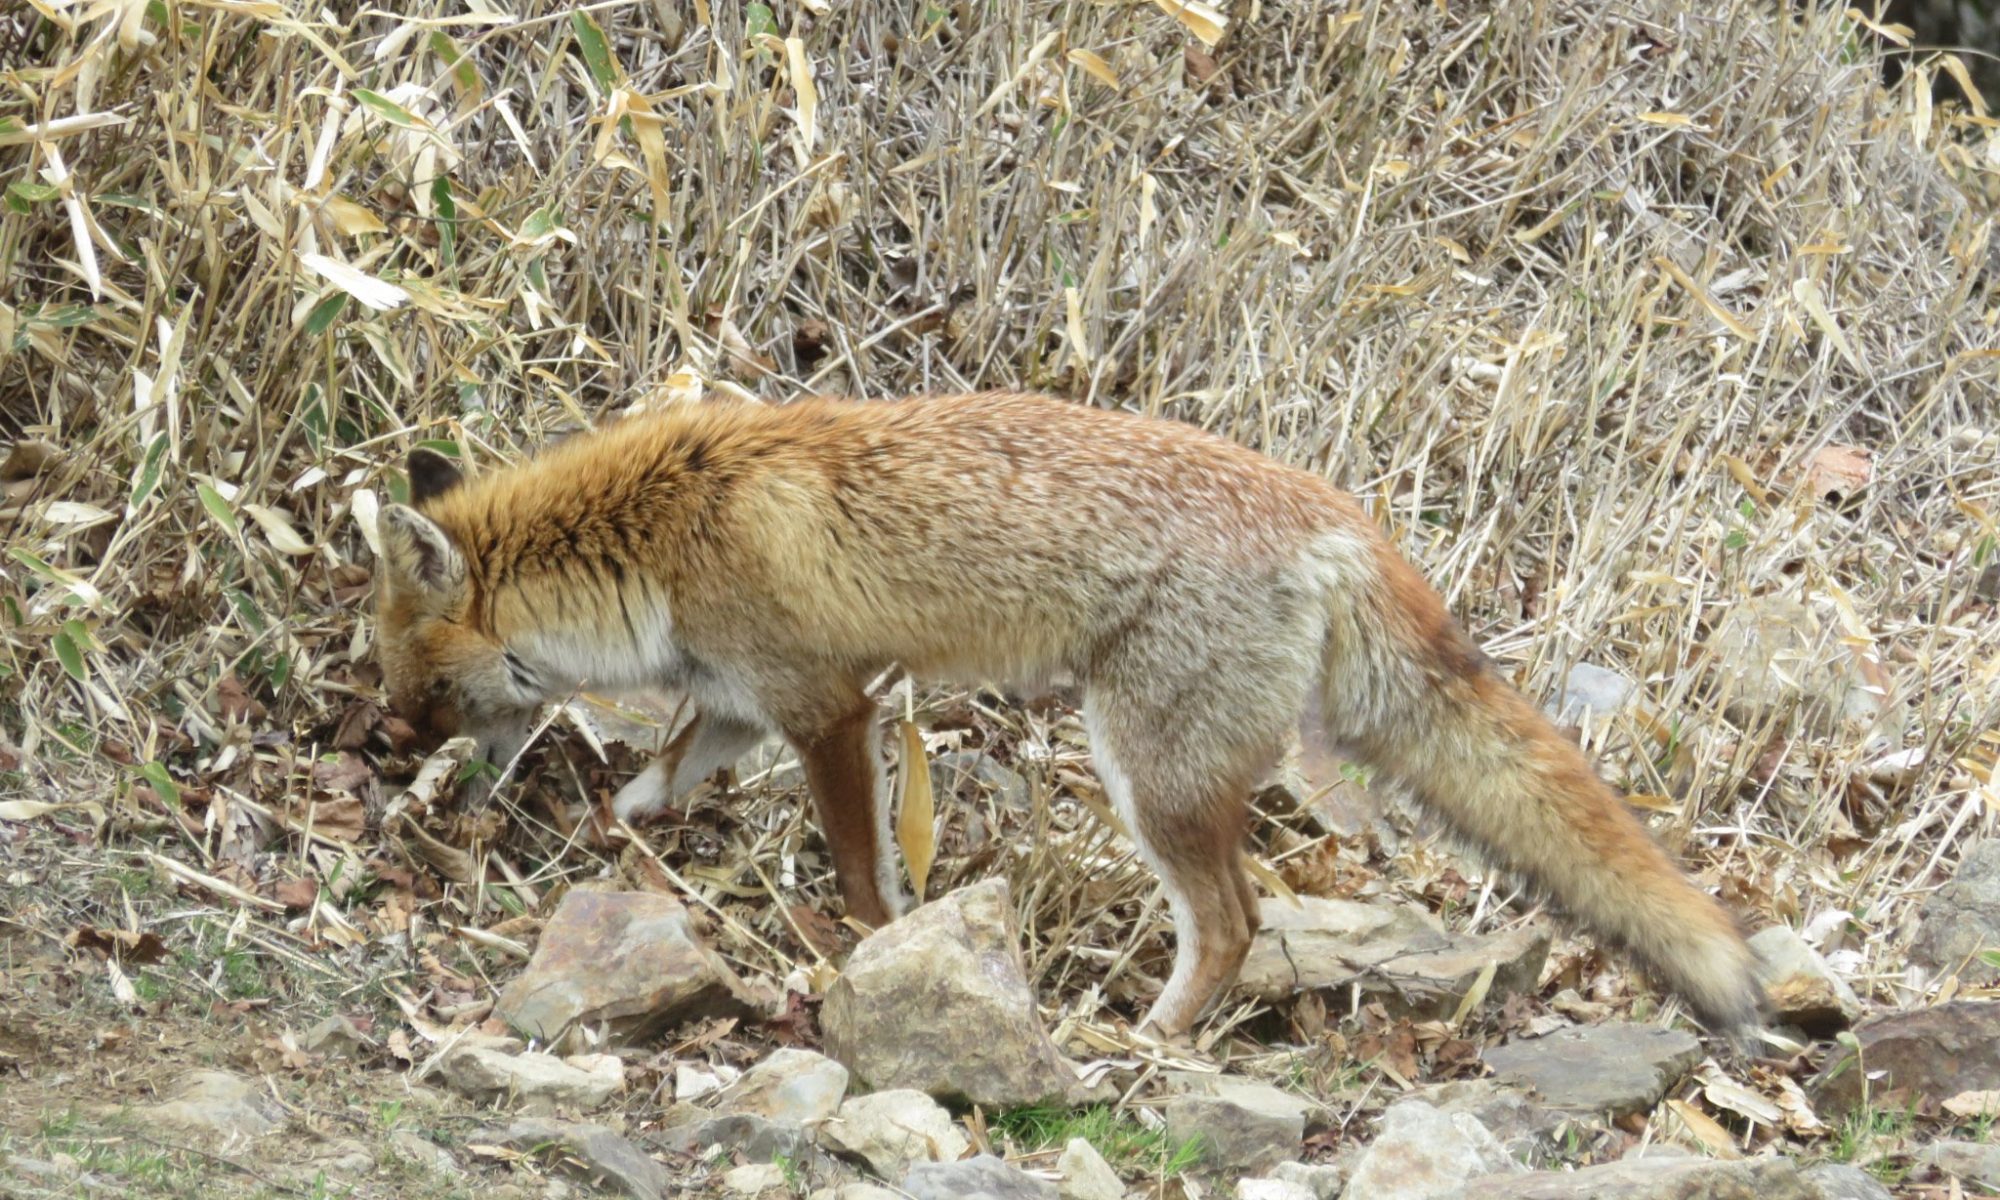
1427	711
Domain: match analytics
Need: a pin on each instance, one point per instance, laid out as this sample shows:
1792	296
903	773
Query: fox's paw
642	795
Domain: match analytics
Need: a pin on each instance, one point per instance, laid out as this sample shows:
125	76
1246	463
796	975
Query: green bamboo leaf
447	219
463	72
758	20
389	110
149	470
69	655
324	313
128	200
389	354
596	50
540	223
155	773
23	195
62	316
218	508
35	563
247	609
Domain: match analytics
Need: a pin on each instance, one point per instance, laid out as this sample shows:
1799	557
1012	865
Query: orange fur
772	559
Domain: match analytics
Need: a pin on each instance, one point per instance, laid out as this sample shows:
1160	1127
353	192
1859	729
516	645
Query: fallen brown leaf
1837	472
1200	63
296	894
356	723
343	773
824	935
236	702
118	943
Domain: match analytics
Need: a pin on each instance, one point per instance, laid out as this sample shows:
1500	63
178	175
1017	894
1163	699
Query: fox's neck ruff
558	565
634	652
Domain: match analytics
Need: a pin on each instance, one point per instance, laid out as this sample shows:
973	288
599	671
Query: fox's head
445	673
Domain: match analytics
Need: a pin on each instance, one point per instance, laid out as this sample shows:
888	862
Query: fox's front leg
709	743
843	764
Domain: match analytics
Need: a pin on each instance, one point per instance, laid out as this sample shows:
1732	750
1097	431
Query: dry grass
1576	294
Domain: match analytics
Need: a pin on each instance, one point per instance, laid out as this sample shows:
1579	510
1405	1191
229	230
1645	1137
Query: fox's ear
419	553
431	475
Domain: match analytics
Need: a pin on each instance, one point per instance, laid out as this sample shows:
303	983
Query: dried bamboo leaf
916	812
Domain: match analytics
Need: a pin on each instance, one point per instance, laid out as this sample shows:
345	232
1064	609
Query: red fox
770	560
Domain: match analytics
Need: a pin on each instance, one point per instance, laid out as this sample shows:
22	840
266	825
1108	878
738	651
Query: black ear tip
431	474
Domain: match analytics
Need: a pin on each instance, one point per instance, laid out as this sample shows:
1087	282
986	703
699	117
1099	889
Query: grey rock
1927	1053
626	961
415	1147
1085	1174
1962	918
1321	1180
788	1085
755	1138
1273	1188
1658	1150
337	1037
981	1177
1238	1130
1804	991
538	1083
1839	1181
939	1001
767	1113
1521	1124
1773	652
1593	691
892	1130
858	1191
1343	806
1653	1178
1616	1069
754	1179
1973	1162
1398	955
1356	814
1246	1093
608	1154
218	1103
37	1168
337	1156
1420	1153
968	775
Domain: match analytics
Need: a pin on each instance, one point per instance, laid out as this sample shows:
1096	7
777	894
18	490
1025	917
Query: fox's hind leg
1188	815
1185	714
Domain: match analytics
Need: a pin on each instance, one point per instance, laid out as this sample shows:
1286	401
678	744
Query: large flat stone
1682	1179
1962	918
626	961
1924	1054
1615	1069
1395	954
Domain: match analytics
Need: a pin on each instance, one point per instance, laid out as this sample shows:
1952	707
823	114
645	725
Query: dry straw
1594	302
